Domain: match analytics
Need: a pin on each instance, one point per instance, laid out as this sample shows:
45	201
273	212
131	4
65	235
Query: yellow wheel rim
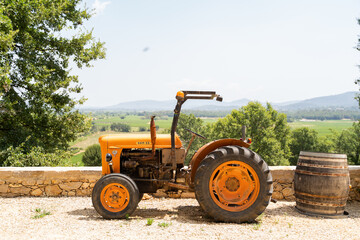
115	197
234	186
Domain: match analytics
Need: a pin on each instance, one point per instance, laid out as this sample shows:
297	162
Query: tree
266	127
196	125
302	139
348	142
92	155
36	87
120	127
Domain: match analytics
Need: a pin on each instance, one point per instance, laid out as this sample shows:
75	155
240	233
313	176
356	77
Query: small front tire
115	196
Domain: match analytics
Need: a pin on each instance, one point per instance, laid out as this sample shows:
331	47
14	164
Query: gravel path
75	218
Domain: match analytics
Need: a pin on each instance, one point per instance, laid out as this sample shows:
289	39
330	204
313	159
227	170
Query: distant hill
152	105
344	100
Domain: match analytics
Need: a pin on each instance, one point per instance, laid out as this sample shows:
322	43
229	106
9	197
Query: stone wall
79	181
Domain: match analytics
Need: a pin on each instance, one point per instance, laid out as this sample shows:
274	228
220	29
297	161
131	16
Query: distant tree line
315	114
323	114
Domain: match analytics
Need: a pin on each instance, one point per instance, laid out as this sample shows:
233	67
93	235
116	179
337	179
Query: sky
276	51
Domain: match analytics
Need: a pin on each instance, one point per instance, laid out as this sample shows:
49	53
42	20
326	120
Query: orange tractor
231	182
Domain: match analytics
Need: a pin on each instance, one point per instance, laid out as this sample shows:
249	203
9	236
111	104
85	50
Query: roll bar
181	97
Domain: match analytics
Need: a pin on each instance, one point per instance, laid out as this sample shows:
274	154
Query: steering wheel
198	135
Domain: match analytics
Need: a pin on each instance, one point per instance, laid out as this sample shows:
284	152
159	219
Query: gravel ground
75	218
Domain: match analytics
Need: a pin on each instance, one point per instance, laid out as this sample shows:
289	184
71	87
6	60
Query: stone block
20	190
146	196
159	193
85	185
37	192
52	190
71	193
290	198
277	195
56	181
188	195
15	185
29	182
39	182
174	194
2	182
287	192
70	186
277	187
4	188
83	192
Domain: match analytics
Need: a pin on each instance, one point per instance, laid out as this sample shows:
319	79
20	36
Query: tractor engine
149	169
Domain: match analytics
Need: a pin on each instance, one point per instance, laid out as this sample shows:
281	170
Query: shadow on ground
182	214
194	214
353	208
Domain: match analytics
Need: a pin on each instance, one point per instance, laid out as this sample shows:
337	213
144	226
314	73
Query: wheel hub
232	184
115	197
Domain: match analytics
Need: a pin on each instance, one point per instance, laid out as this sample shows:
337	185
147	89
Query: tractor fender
209	147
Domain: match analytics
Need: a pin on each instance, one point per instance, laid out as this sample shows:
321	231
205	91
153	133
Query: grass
149	221
258	223
323	127
40	213
77	159
164	224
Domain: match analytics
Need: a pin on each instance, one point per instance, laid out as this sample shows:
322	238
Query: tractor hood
117	141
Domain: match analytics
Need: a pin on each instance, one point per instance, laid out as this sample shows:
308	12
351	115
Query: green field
323	127
135	122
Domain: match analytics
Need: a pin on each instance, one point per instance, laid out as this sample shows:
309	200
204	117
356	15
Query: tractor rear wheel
115	196
233	184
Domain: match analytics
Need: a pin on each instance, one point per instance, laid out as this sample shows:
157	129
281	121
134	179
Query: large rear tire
115	196
233	184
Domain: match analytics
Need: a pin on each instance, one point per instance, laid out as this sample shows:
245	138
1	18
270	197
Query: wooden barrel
321	184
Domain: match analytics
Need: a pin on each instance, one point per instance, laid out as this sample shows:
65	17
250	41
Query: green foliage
36	86
92	156
36	156
164	224
149	221
348	142
266	127
302	139
120	127
324	114
195	125
40	213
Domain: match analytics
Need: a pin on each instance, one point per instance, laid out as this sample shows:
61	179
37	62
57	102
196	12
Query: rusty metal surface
179	156
321	166
321	203
178	186
321	159
322	174
322	196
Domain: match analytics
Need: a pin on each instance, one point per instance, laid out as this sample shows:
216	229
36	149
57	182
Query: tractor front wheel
115	196
233	184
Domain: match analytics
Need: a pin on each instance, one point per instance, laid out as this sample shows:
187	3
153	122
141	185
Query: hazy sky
262	50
